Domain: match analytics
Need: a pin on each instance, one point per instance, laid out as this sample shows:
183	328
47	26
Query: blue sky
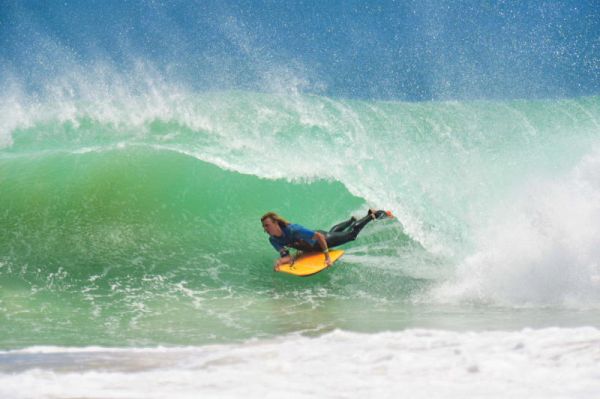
407	50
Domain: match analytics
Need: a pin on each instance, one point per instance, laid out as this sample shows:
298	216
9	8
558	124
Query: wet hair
276	218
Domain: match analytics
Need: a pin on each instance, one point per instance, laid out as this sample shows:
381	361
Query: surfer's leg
343	226
339	237
335	238
360	224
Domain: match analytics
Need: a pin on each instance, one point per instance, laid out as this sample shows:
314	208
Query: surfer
284	235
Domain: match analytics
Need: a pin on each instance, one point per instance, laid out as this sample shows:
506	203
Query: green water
141	226
140	244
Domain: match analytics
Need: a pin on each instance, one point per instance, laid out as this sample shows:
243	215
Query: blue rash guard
294	236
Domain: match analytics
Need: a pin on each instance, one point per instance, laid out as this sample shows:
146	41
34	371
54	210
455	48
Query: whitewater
415	363
140	143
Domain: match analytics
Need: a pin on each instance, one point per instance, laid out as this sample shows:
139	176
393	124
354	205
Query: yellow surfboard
310	263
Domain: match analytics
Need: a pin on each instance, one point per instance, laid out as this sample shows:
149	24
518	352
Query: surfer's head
273	223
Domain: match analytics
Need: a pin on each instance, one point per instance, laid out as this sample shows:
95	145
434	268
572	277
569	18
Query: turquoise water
133	221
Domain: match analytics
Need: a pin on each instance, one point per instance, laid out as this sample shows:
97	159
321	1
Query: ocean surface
133	263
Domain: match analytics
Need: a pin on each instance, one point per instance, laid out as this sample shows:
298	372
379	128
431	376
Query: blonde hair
276	218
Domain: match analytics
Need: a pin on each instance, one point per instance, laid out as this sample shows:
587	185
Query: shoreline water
421	363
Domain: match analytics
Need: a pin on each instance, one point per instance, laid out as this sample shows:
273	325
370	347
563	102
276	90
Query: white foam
548	363
14	115
543	248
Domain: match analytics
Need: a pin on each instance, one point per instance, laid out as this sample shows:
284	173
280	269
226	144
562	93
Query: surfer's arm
286	257
323	244
283	260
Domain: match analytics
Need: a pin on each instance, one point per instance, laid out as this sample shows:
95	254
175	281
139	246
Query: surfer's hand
283	261
327	260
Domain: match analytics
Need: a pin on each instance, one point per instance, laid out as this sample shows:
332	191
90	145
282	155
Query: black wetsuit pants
343	232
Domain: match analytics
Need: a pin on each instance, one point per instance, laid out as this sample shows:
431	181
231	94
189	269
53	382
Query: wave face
135	218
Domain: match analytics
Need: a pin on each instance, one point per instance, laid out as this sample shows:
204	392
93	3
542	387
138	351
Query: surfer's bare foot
371	213
380	214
